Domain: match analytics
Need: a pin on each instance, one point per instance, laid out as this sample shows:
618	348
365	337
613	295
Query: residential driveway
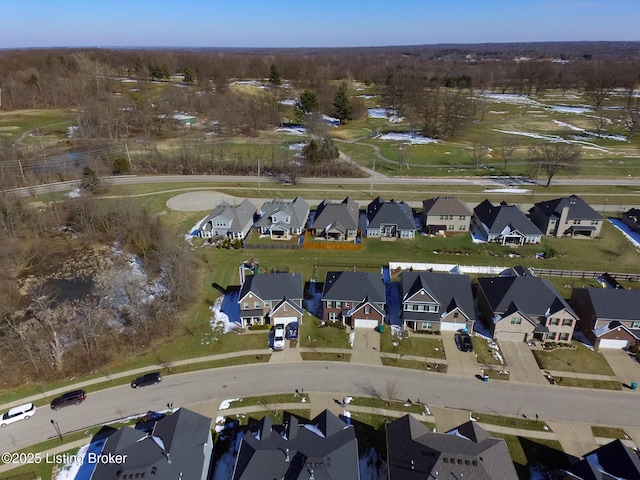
459	363
576	438
521	363
288	355
366	347
624	367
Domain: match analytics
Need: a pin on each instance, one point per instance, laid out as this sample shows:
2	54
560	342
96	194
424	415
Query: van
21	412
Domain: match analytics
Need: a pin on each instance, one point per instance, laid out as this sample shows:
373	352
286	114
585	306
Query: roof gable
354	287
445	206
380	213
501	217
578	208
330	214
272	286
615	304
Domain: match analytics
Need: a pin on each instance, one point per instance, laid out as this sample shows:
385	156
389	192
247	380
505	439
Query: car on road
146	379
76	397
278	338
463	342
21	412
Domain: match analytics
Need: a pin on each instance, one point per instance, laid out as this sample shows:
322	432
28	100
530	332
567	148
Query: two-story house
226	220
282	219
505	224
271	299
436	301
442	215
336	221
356	299
525	308
390	219
569	216
609	318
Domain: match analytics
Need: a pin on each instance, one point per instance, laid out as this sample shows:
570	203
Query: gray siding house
442	215
505	224
356	299
570	216
390	219
281	219
226	220
336	221
436	301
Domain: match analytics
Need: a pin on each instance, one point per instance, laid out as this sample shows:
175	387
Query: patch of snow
633	237
409	138
352	337
220	321
69	470
367	97
293	130
568	125
297	147
226	404
388	113
288	101
576	109
219	423
508	190
498	112
247	82
510	98
72	131
75	193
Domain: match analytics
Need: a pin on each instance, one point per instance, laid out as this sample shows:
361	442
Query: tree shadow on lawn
543	458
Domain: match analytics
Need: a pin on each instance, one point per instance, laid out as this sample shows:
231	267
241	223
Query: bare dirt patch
200	201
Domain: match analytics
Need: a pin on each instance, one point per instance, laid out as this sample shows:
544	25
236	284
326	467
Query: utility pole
536	182
373	172
258	175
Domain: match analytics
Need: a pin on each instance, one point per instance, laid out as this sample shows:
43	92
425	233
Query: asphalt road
549	402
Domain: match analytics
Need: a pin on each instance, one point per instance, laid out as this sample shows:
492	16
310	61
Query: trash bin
634	385
485	378
381	329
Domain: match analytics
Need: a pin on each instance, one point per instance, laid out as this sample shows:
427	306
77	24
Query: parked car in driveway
21	412
463	342
146	379
75	397
292	331
278	338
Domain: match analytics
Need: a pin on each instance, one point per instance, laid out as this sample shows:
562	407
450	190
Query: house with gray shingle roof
569	216
632	219
336	221
525	308
323	448
467	452
442	215
271	299
281	219
436	301
178	446
390	219
356	299
505	224
226	220
609	318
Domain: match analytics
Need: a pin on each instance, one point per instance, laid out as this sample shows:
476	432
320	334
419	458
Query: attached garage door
365	323
510	336
451	326
612	343
283	320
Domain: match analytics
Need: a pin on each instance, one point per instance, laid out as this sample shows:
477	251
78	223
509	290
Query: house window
338	304
594	222
462	217
432	308
516	320
563	337
567	322
367	310
329	304
551	336
462	228
554	321
427	326
445	460
245	306
456	315
421	307
266	303
346	304
635	324
285	307
256	305
333	316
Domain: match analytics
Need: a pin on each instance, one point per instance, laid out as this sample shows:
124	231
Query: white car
21	412
278	338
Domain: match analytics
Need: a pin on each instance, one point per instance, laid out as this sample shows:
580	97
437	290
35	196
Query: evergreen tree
306	105
189	77
274	76
342	104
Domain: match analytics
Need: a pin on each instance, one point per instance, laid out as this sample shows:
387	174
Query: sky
311	23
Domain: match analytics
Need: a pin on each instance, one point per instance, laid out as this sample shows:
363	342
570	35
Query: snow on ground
575	109
508	190
297	147
352	338
511	98
219	319
408	137
70	470
477	236
226	404
367	97
633	237
555	139
293	130
568	125
288	101
75	193
387	113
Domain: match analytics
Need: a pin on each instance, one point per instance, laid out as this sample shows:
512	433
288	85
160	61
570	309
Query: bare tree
508	147
478	154
392	390
555	157
632	118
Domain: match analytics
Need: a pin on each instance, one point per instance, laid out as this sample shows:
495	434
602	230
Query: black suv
146	379
76	398
463	342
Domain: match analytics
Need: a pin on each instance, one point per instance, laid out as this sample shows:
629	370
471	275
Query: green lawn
578	360
587	383
511	422
527	453
415	345
609	432
414	364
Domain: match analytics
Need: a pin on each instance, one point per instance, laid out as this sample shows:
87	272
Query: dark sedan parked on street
146	379
75	397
